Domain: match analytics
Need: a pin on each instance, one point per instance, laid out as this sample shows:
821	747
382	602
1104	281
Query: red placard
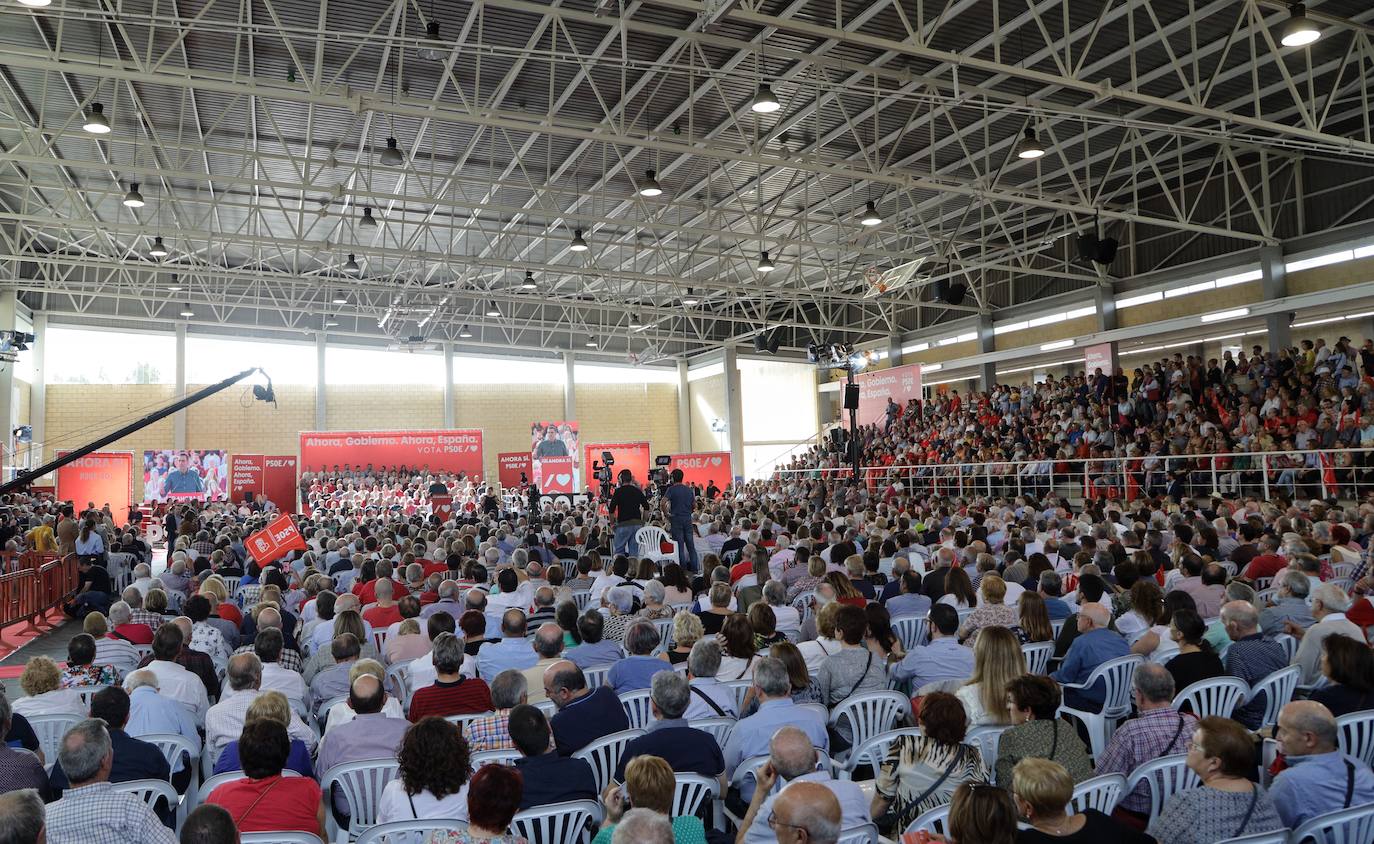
1098	357
558	475
901	383
441	506
440	451
101	477
632	456
705	466
510	465
245	476
273	541
279	481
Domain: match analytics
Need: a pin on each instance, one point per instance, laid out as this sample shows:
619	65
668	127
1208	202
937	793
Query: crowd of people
520	631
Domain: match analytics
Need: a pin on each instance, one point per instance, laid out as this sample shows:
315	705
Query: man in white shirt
708	698
792	758
173	680
275	677
224	722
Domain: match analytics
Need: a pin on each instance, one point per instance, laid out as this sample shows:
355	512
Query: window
211	359
378	366
95	356
479	369
593	374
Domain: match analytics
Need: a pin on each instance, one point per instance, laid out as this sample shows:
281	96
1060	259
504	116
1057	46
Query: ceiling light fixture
35	4
650	186
464	333
175	286
493	311
330	322
766	264
339	298
435	51
690	300
133	199
528	283
591	344
1029	147
351	266
1299	30
578	244
391	156
764	101
158	250
368	221
186	310
96	121
871	216
637	321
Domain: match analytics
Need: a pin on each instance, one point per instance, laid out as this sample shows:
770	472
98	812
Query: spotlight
339	298
330	322
35	4
690	300
766	264
96	122
764	102
493	311
464	333
158	250
650	186
186	311
528	283
591	343
1299	30
578	244
871	216
175	286
391	156
133	199
368	221
434	52
1029	147
351	266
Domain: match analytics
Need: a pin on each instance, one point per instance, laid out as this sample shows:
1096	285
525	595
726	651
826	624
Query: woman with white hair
654	606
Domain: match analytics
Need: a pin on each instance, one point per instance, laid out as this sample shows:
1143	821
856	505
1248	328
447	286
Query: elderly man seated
1094	645
1318	778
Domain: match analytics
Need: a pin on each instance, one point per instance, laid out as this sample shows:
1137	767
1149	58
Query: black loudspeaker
1106	250
760	343
951	294
851	396
775	341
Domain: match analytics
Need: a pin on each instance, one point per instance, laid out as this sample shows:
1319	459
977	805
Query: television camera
602	473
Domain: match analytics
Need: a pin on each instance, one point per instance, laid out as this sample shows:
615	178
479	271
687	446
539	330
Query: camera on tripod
602	471
658	476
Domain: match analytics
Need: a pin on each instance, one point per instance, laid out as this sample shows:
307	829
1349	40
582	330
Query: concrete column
320	404
179	419
684	407
38	393
1274	284
8	304
734	409
448	386
987	372
569	385
894	349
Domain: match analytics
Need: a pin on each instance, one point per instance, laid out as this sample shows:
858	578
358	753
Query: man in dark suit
686	749
549	777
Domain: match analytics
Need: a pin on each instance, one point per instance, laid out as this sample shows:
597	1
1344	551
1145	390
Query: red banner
1098	357
272	476
703	467
510	465
245	477
901	383
632	456
558	475
441	506
273	541
99	478
439	451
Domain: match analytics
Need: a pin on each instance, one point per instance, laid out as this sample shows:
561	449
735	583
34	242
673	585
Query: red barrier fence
38	583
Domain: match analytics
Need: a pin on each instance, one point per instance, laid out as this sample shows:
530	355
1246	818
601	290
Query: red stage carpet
15	636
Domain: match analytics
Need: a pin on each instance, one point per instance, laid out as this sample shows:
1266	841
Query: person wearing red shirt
384	612
1267	563
451	693
743	567
265	801
122	625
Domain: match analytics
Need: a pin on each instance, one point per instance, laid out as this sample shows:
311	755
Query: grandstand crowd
799	659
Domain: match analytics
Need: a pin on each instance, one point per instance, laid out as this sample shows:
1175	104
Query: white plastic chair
650	539
557	823
911	630
463	720
664	626
278	838
211	783
1290	645
986	739
50	729
1116	674
1278	689
398	675
1278	836
691	792
1037	656
740	688
361	783
379	638
582	597
149	791
638	708
932	820
499	757
1101	793
604	754
1057	626
88	692
871	713
596	675
1214	696
719	728
173	747
874	750
409	832
1166	776
862	834
1355	735
1347	826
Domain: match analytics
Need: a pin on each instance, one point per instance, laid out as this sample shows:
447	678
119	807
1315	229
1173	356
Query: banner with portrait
191	474
555	440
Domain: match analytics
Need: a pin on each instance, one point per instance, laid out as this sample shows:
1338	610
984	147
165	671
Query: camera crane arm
26	478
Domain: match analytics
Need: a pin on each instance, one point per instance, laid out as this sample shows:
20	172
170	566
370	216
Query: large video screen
169	475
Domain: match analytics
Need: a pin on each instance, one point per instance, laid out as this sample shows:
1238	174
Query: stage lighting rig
12	343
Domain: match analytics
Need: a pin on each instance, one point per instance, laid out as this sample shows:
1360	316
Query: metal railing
37	584
1346	474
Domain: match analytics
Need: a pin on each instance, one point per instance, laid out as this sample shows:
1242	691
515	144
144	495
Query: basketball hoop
887	281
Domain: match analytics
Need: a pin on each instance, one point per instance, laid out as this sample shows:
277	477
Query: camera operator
680	502
627	505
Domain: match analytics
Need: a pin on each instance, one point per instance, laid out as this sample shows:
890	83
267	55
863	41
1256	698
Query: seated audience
41	683
451	693
433	778
1038	733
1042	789
90	809
669	737
584	715
997	661
549	777
1095	644
81	670
648	785
922	772
1317	777
1157	730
